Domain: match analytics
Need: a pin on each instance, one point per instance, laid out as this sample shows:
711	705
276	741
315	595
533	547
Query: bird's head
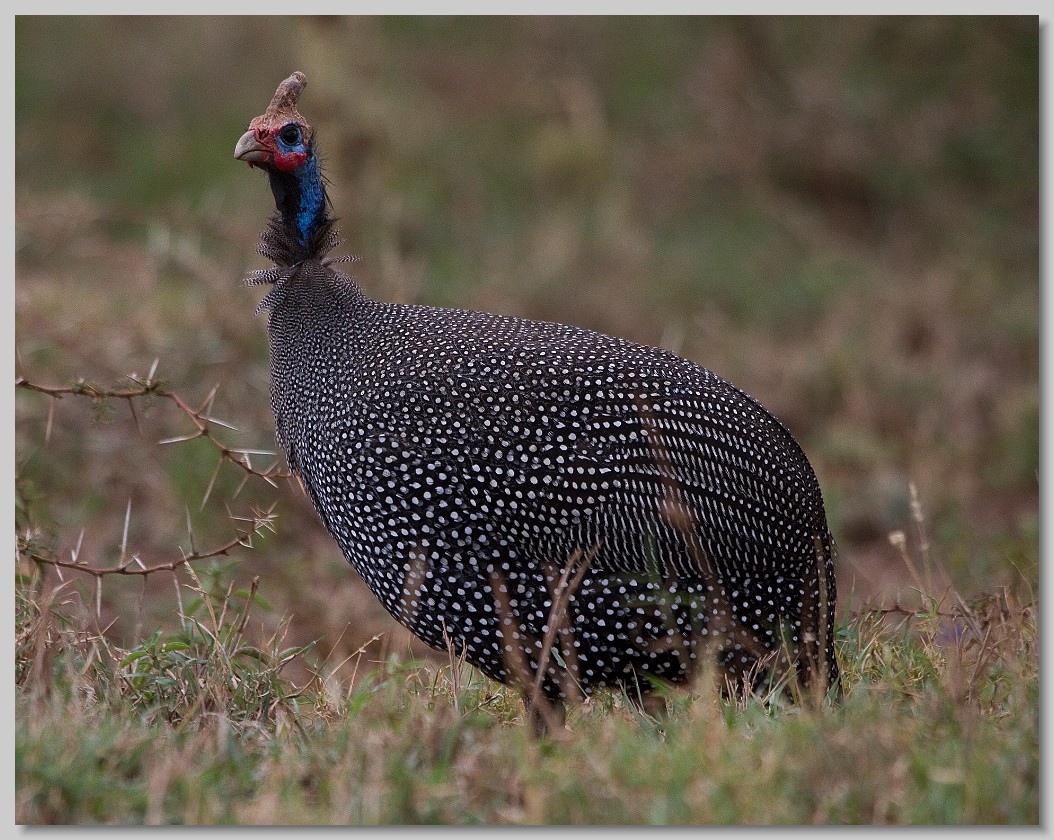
279	139
281	143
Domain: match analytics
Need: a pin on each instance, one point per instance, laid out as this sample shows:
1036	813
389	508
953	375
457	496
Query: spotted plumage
528	493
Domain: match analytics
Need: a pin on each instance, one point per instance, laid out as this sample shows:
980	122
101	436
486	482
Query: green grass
838	215
198	726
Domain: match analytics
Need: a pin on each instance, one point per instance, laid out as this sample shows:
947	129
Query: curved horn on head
284	100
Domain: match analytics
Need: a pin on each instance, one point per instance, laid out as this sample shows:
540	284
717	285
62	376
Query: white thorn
127	519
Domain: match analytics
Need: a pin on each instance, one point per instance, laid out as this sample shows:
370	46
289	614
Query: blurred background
840	215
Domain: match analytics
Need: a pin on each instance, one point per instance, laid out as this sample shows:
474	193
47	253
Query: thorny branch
150	387
259	521
141	389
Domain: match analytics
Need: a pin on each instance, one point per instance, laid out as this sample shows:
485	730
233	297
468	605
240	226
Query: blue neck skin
300	197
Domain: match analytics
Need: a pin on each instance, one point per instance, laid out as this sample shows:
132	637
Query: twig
134	565
152	388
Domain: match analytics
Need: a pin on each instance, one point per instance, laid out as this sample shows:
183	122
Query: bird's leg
649	703
545	716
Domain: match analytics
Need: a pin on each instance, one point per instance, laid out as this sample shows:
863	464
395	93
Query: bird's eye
291	134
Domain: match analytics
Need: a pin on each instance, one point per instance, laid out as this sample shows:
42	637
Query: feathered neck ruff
287	254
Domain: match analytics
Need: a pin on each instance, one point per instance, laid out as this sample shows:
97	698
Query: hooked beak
251	150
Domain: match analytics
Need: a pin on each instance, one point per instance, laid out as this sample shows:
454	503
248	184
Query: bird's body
532	494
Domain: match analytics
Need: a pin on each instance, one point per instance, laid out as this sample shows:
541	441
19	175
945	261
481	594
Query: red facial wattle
288	161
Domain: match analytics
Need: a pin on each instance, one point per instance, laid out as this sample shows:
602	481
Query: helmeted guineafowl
565	509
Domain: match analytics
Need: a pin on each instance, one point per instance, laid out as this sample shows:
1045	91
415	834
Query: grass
840	216
939	724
